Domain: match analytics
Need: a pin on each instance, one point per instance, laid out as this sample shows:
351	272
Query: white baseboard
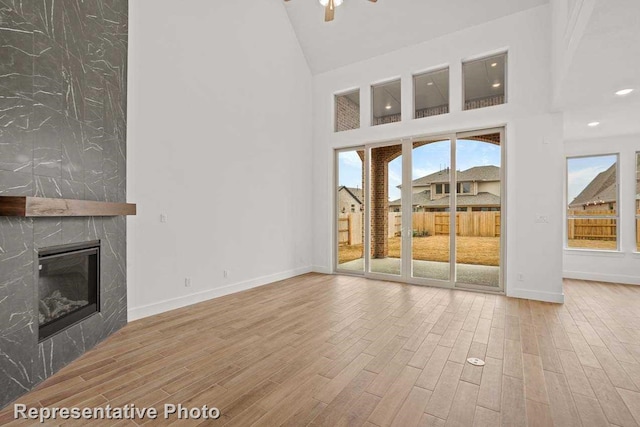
135	313
600	277
537	295
321	269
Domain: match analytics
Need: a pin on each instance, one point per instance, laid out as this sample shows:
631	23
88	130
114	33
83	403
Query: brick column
380	158
379	204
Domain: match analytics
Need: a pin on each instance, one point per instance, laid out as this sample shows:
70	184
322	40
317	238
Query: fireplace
68	285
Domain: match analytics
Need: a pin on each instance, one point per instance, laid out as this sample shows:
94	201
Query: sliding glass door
349	203
430	210
479	209
431	243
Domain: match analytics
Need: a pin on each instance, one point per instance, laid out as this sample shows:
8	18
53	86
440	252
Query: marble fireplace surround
63	86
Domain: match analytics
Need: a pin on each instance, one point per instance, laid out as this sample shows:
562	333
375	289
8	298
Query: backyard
470	250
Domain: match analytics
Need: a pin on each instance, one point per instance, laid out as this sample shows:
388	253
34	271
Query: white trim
135	313
537	295
327	270
599	277
594	252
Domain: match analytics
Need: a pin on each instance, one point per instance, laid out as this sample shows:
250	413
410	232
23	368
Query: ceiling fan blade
329	11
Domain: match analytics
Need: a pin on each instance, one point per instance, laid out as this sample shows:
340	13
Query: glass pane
386	101
592	233
431	244
347	111
386	209
431	93
478	216
350	210
592	191
484	82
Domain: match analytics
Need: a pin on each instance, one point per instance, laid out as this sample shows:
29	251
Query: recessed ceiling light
388	107
593	124
624	92
495	64
496	85
430	84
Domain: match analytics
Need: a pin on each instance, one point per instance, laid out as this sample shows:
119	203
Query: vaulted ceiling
606	59
362	29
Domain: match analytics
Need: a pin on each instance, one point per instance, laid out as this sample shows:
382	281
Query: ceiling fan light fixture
335	2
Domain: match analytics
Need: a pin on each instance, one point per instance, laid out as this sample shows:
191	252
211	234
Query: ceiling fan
330	6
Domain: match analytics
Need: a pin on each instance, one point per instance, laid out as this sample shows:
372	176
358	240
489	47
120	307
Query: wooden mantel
44	207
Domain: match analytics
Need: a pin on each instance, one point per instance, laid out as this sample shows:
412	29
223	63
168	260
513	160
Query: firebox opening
68	286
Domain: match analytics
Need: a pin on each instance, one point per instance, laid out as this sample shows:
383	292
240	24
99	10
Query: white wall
219	139
606	266
534	138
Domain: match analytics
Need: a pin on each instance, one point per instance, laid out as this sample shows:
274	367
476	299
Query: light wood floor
331	350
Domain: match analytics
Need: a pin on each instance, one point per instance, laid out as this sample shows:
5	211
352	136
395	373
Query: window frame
424	73
569	217
481	58
372	102
461	187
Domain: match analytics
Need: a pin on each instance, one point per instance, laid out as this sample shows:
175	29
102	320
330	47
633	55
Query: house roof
478	173
603	188
356	193
424	199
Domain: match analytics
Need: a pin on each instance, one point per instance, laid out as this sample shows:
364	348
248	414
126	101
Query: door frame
407	210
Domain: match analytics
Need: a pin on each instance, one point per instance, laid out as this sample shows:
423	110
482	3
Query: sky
582	170
427	159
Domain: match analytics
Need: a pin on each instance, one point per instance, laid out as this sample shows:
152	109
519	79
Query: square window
431	93
464	187
347	111
485	83
386	103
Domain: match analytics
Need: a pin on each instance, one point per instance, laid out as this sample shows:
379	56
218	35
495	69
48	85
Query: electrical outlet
542	219
187	282
520	277
163	217
225	273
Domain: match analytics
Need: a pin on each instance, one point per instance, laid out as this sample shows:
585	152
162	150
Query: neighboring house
350	199
478	189
601	193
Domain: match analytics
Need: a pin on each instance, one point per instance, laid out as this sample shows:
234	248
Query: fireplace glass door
68	283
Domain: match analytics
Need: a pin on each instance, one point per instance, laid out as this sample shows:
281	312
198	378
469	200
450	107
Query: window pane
350	210
479	220
484	82
386	103
347	111
592	233
431	93
592	185
431	243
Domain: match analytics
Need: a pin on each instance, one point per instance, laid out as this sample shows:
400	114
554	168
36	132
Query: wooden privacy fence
350	228
591	228
474	224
